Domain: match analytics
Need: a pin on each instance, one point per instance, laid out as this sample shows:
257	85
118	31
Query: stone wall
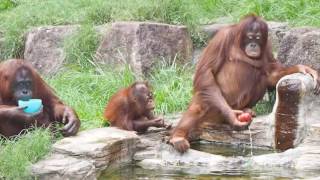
142	45
301	46
44	47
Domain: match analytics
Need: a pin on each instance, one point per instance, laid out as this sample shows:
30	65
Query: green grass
175	94
90	96
18	16
6	5
17	154
87	87
81	46
88	91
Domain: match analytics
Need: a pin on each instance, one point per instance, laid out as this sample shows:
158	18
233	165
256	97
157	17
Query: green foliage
17	154
7	4
265	106
172	86
88	91
16	21
80	47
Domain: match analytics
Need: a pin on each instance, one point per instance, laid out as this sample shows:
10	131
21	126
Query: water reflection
241	171
135	172
228	149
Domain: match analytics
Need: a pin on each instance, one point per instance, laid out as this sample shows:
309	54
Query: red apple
245	117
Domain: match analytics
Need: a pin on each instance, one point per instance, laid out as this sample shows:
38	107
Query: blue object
31	106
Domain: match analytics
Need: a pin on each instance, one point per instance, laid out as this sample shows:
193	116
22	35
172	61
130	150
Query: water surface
132	171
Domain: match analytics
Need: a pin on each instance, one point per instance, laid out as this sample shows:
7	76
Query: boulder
164	157
104	146
296	109
102	31
301	46
59	166
44	47
211	29
277	30
196	55
143	44
86	154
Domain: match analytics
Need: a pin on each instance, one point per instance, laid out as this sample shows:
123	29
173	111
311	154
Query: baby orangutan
132	108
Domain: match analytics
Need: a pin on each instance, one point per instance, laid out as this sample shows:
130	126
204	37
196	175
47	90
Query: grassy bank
17	16
89	97
17	154
88	91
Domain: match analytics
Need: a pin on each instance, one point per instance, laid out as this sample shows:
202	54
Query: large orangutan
131	109
20	81
232	74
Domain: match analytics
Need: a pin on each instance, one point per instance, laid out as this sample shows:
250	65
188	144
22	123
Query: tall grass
18	154
89	91
81	46
21	15
172	87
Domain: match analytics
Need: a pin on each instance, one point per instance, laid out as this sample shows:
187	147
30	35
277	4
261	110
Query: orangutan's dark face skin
144	96
22	86
253	41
